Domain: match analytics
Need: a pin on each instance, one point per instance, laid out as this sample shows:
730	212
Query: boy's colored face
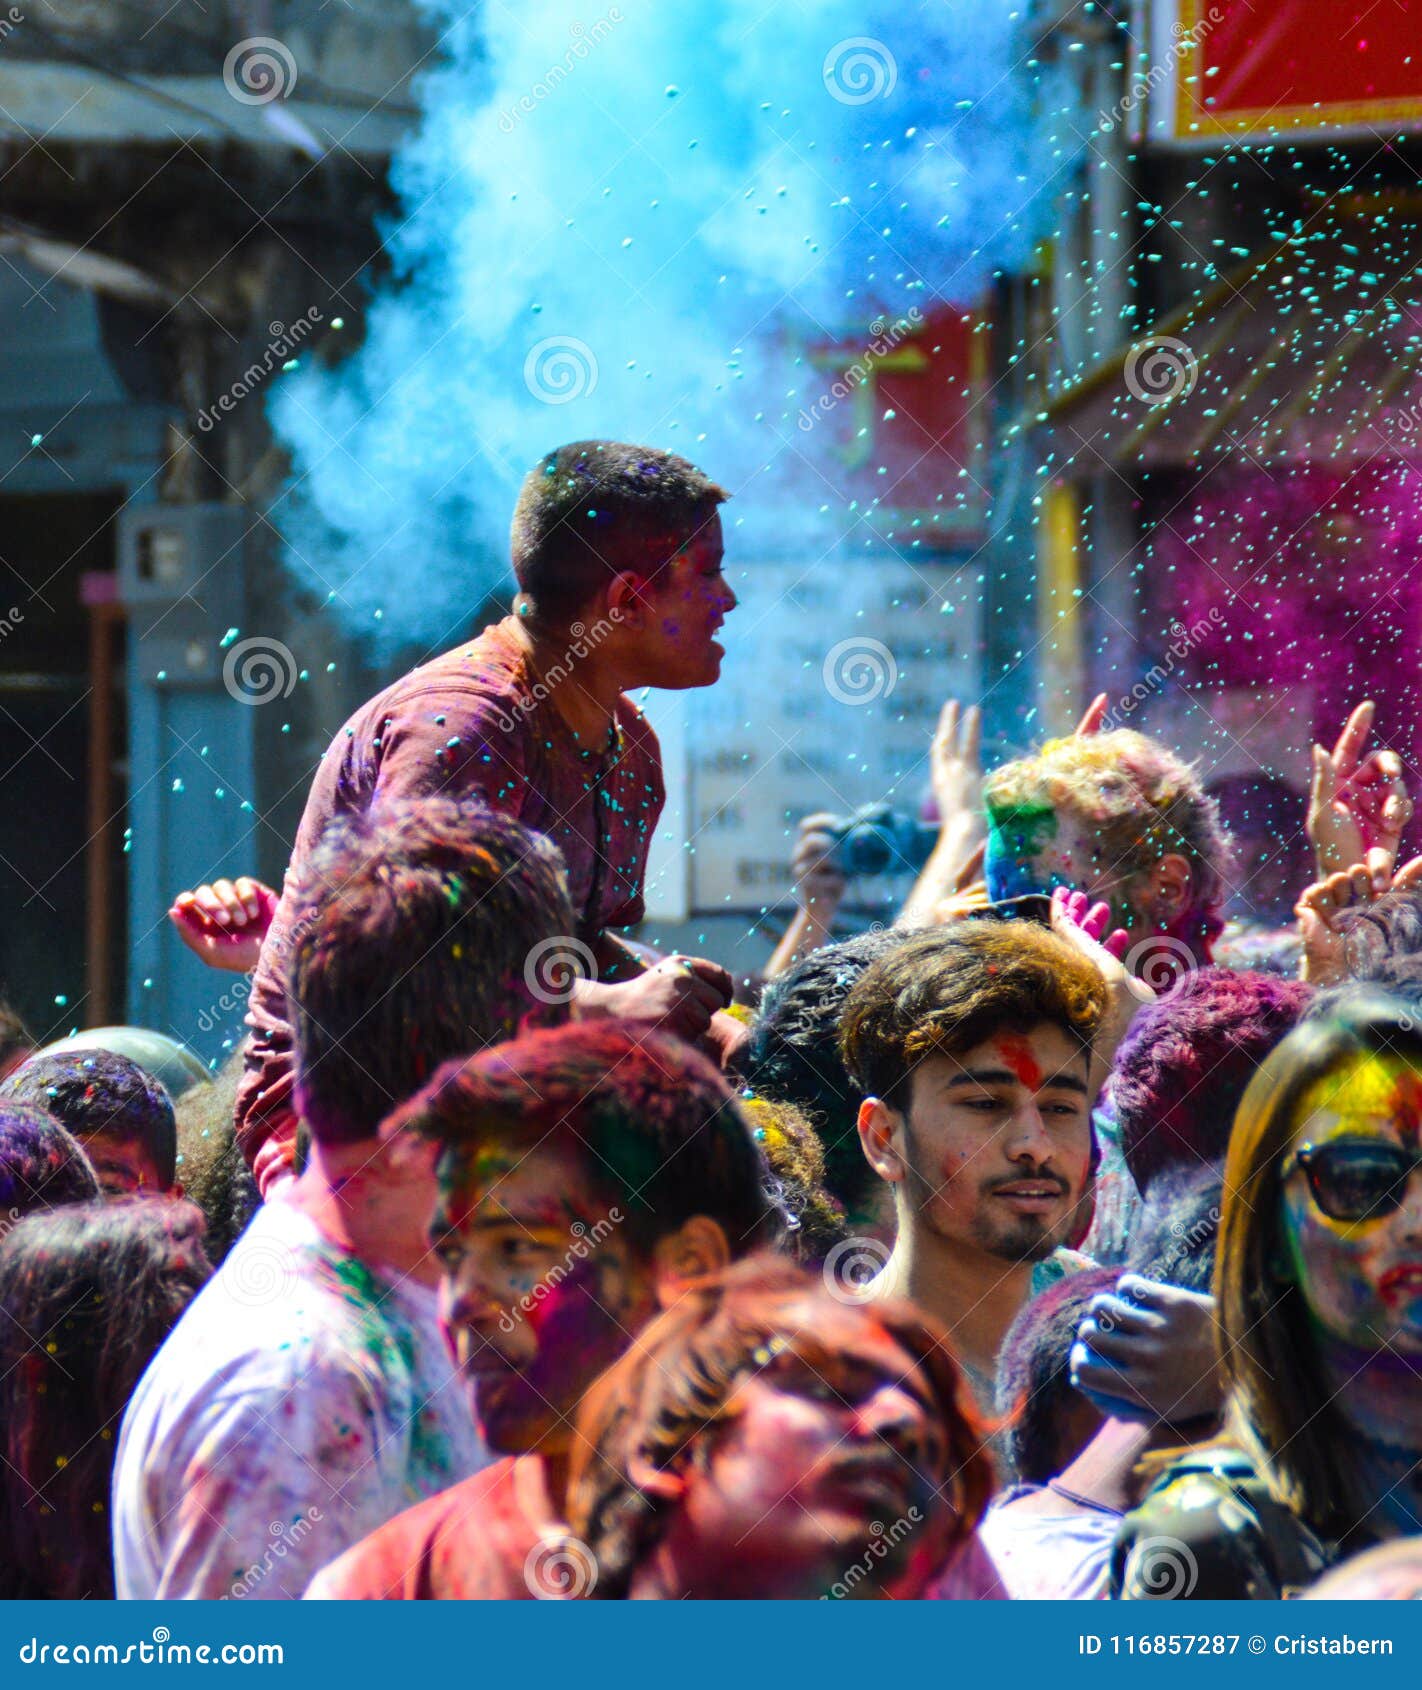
997	1143
1034	848
834	1439
686	601
1361	1280
123	1168
1019	840
540	1290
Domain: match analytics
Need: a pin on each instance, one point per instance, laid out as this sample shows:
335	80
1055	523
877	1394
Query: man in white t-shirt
307	1395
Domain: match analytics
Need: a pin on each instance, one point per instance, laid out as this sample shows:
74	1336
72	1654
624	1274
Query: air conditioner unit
182	576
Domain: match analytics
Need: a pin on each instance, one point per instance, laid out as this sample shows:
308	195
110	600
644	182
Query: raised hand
1322	905
1095	714
955	763
225	923
820	883
1147	1351
1356	804
1084	925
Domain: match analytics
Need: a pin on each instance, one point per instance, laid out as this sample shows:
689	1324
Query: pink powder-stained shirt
476	723
470	1543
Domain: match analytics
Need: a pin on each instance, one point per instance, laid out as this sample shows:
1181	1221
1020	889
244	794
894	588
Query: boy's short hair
658	1130
419	920
42	1165
593	508
98	1091
946	990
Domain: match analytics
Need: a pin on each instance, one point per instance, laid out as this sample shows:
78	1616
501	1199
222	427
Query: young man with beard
617	551
972	1047
587	1174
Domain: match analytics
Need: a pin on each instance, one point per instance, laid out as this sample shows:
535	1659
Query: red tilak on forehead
1017	1054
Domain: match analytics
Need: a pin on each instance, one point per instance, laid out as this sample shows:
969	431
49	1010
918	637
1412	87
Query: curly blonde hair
1141	800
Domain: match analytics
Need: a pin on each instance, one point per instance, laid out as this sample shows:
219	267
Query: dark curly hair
1034	1388
1181	1070
1384	931
814	1218
793	1057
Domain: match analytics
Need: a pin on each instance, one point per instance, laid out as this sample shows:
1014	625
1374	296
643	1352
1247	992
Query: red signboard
897	421
1261	68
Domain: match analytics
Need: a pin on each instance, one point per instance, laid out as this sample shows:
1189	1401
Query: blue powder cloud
623	221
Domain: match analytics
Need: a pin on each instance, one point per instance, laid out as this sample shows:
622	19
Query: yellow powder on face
1368	1096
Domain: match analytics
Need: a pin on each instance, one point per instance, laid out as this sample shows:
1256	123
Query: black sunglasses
1356	1179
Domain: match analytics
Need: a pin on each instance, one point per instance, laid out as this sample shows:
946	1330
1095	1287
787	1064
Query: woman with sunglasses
1319	1289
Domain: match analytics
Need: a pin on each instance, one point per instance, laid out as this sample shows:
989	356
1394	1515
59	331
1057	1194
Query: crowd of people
1061	1239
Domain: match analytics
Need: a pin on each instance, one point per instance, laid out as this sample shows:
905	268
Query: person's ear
175	1190
881	1139
1169	884
625	601
696	1248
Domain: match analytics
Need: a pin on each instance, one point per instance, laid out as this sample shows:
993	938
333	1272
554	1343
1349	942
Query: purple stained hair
1183	1067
